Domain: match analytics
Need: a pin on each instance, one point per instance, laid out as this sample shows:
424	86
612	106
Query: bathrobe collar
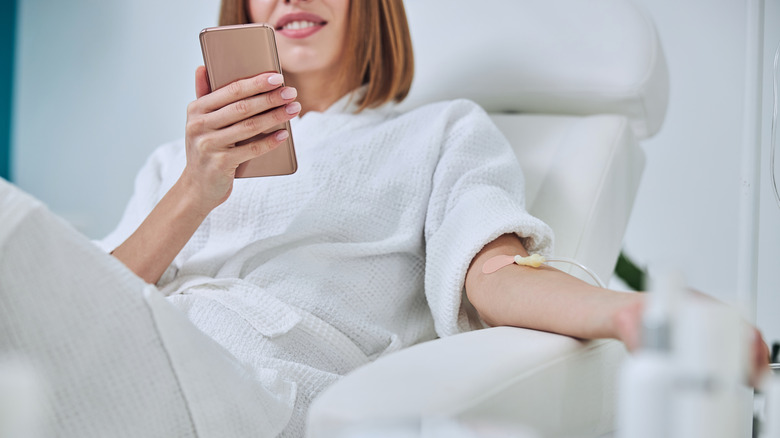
348	104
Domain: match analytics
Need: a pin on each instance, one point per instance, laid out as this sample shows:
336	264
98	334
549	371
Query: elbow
483	300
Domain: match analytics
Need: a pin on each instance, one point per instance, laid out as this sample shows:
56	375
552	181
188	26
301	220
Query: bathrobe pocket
294	334
289	333
265	313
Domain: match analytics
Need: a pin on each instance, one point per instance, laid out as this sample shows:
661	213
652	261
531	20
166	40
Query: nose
295	1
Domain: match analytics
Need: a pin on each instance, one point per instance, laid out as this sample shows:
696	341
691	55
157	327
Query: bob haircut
377	35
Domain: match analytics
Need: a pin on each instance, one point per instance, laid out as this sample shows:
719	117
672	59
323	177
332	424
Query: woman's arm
160	237
547	299
215	123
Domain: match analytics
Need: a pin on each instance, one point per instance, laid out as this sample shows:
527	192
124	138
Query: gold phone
236	52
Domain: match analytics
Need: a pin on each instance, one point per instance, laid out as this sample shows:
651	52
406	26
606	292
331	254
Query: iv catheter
535	261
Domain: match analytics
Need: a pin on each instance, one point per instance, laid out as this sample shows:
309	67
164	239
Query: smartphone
236	52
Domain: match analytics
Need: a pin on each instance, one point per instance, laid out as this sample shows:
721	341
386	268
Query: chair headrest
541	56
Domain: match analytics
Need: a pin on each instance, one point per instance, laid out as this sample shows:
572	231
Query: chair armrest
554	384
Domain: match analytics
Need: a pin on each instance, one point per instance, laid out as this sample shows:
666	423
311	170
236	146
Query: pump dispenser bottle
647	379
711	349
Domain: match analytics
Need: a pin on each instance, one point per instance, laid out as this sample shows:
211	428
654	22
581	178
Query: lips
299	24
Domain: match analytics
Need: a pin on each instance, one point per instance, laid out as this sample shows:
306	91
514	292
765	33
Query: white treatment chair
574	85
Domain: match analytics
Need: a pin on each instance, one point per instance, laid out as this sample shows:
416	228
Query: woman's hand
759	358
627	322
217	120
215	123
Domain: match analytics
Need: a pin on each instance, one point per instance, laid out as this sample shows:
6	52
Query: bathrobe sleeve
477	196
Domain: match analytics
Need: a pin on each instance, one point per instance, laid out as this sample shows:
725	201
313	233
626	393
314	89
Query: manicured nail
292	107
289	93
275	79
281	135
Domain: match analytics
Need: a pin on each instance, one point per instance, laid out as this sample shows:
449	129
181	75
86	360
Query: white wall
101	83
98	85
687	211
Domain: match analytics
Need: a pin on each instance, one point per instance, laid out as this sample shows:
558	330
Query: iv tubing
571	261
773	137
533	260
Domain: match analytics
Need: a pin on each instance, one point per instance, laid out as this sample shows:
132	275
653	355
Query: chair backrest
572	84
576	57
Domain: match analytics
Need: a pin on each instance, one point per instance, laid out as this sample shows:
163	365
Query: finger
256	125
240	89
202	87
252	106
627	322
760	359
258	147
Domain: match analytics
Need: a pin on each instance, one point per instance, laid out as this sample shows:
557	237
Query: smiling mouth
300	24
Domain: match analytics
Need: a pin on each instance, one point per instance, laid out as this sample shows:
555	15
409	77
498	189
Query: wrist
190	197
626	319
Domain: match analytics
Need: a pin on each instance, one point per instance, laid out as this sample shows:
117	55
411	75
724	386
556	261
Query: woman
298	279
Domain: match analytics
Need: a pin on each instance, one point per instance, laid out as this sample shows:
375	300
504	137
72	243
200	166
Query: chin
299	68
299	60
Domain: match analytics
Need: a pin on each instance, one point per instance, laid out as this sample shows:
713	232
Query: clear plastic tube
535	260
581	266
773	138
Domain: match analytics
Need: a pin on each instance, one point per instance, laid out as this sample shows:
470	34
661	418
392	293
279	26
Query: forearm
216	122
152	247
544	298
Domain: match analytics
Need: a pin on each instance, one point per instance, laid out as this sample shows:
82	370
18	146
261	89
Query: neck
316	91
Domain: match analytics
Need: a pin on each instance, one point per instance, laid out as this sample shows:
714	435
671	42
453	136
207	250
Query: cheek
260	10
341	10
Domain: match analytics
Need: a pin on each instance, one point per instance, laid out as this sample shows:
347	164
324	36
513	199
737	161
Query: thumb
202	87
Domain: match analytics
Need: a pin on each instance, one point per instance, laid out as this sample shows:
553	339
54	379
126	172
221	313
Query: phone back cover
238	52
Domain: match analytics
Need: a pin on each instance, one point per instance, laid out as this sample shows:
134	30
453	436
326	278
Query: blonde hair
377	37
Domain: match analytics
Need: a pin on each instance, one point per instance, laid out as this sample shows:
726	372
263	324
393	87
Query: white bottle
643	409
711	396
647	378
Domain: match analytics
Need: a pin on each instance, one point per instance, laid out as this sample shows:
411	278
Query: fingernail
281	135
289	93
275	79
292	107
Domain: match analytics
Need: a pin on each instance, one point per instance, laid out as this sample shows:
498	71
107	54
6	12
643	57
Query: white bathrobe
361	252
